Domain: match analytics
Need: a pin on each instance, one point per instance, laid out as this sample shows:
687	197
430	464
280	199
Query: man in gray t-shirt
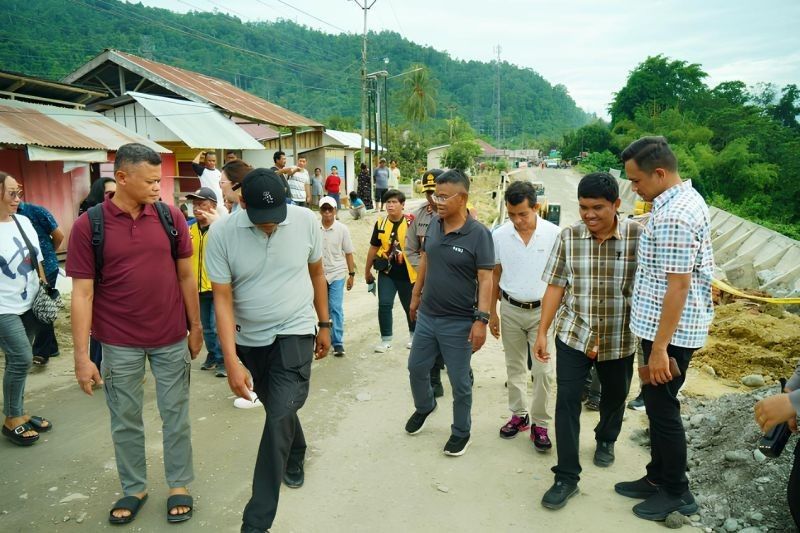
381	176
252	257
450	302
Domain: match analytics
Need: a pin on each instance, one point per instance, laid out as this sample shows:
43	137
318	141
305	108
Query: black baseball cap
203	193
264	192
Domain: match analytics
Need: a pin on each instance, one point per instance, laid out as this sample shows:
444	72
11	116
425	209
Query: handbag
47	302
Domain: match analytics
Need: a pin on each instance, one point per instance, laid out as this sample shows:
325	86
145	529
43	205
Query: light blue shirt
272	290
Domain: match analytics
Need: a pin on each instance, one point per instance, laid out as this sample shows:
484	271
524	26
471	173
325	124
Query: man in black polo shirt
455	267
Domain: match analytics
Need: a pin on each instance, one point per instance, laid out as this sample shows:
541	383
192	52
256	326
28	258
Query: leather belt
517	303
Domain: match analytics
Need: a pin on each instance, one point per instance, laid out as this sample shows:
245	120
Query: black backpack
95	214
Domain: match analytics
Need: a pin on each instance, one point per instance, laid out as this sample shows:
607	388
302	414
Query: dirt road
363	473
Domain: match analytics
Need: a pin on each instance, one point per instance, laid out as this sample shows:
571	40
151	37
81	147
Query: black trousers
45	343
793	489
281	374
667	465
572	369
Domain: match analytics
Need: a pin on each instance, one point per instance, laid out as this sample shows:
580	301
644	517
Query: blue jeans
16	334
209	321
336	310
447	337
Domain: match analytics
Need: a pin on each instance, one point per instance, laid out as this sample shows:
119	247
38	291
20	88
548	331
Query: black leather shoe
640	489
556	496
604	454
658	506
294	476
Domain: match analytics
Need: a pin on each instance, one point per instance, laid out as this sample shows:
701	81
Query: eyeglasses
439	199
223	182
15	194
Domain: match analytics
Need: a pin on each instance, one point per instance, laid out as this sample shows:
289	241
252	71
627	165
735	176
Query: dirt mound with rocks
748	338
737	487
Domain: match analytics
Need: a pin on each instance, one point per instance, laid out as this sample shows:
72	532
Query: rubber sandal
128	503
16	435
179	500
37	423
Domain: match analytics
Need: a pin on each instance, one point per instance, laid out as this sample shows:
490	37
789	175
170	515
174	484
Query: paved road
560	185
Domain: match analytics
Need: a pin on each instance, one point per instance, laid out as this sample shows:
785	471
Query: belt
517	303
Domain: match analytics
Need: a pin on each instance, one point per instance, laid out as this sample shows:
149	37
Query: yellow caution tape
721	285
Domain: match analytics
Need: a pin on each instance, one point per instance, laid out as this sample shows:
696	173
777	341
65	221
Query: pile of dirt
749	338
737	487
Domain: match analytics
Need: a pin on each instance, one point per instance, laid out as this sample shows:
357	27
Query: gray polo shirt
453	261
272	290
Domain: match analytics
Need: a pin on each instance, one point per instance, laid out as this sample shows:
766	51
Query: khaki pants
518	329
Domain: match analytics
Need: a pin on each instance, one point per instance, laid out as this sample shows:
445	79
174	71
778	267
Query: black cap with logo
203	193
264	193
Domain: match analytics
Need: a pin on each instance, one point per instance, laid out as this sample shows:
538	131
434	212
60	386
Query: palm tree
419	98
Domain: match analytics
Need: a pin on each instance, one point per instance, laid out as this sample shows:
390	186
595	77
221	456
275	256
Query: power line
306	13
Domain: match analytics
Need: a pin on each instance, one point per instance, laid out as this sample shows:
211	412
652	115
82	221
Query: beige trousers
518	329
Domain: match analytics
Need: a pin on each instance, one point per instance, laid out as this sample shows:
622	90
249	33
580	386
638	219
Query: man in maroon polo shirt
138	309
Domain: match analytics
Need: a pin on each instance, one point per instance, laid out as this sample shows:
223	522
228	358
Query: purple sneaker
540	439
514	426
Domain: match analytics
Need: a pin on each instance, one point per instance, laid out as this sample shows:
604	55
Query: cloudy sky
587	45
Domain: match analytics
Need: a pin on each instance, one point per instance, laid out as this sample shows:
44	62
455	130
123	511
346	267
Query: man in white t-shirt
522	248
300	184
209	175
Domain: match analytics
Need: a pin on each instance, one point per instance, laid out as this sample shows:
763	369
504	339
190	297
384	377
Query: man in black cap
251	259
204	208
415	239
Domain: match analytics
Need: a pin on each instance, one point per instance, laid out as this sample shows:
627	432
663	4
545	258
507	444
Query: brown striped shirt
599	279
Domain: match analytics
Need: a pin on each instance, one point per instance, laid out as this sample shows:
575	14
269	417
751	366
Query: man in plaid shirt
592	270
671	313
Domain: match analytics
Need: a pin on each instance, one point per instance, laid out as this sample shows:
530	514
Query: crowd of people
564	302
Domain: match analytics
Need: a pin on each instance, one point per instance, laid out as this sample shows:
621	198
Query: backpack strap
165	215
95	214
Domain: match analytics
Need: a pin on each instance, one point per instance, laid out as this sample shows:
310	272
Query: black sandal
179	500
128	503
38	424
16	435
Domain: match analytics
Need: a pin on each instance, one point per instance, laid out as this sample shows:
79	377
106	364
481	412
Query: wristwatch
480	315
351	274
327	324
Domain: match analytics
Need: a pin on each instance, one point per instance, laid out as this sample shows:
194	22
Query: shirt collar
663	199
586	234
463	230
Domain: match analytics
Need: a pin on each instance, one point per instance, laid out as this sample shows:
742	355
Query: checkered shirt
598	280
676	240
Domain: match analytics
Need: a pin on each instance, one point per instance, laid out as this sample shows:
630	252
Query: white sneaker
382	347
410	341
241	403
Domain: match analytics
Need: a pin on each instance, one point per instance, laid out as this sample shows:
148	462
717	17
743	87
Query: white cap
327	200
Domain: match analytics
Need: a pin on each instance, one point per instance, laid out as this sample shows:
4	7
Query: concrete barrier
749	255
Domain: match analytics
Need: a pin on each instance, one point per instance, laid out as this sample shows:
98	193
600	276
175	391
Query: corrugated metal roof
198	125
218	92
350	140
259	132
60	127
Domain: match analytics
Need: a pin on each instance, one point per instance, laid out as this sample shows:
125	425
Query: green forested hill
309	71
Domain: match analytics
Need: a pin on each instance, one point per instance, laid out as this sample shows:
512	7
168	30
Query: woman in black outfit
365	186
97	193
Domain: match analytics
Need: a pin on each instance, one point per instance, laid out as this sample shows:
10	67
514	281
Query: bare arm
477	335
308	192
494	319
351	267
238	379
197	158
416	292
674	300
191	301
57	236
368	277
317	274
81	310
550	304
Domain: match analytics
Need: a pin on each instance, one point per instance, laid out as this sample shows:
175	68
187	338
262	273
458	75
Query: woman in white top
19	283
394	175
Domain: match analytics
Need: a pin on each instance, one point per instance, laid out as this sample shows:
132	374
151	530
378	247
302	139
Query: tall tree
419	99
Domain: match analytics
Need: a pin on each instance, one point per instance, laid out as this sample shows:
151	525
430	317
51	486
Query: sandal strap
180	500
22	428
128	503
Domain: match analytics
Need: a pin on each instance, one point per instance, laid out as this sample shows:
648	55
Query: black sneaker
556	496
456	446
658	506
641	488
338	351
294	476
417	421
438	389
592	404
637	404
604	454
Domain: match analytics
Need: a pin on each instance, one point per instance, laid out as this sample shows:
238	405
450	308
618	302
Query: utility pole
365	5
497	50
